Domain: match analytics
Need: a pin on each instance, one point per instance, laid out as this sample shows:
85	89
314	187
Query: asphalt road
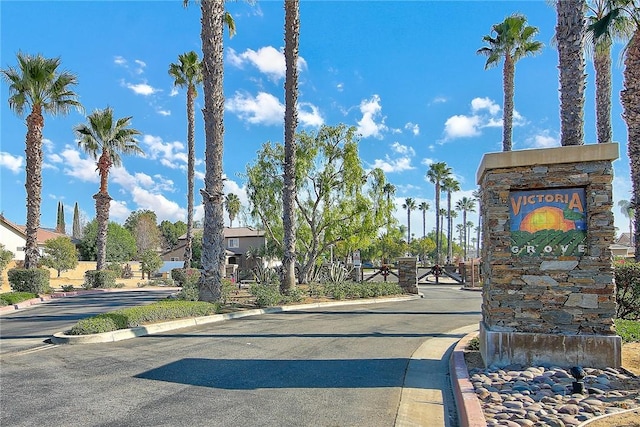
336	366
31	327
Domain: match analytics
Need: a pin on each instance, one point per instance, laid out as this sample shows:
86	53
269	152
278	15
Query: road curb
469	410
157	328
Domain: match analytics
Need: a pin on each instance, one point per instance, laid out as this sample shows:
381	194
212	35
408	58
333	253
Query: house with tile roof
14	237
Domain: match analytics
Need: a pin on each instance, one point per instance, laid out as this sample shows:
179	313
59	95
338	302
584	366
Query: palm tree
450	185
291	45
467	234
389	190
443	215
436	174
214	19
37	84
570	38
630	95
424	207
410	205
188	73
628	211
232	203
465	205
477	196
600	49
460	229
108	138
512	40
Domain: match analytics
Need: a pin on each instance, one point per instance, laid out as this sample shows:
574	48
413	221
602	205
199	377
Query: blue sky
405	73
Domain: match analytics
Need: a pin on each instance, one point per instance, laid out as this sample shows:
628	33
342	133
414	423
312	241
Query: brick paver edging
469	410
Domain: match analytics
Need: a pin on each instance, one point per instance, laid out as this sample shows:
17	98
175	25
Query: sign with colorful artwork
548	222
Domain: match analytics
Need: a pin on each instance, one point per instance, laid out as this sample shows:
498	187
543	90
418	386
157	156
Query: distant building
623	246
14	237
237	242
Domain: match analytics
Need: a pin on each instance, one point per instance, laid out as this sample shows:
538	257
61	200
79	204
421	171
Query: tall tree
389	191
410	205
214	18
76	231
60	225
570	38
628	211
232	203
510	40
60	254
187	73
630	94
449	185
465	205
436	174
291	46
37	84
424	207
108	137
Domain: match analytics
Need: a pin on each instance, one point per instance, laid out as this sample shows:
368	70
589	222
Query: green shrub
265	275
294	294
126	272
266	295
117	268
627	276
67	288
227	288
11	298
187	276
102	279
34	280
629	330
137	316
474	344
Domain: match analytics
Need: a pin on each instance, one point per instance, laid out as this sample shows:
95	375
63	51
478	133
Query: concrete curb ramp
157	328
469	409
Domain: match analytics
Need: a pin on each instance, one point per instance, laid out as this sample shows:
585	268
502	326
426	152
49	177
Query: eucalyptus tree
465	205
410	205
232	203
334	195
570	39
187	73
37	85
214	19
104	139
511	40
291	46
630	94
436	175
424	207
449	185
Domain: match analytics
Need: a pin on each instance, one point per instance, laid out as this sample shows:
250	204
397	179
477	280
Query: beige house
623	246
14	237
237	242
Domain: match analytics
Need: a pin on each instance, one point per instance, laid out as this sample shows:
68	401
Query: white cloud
393	165
174	91
76	166
119	60
142	89
163	207
171	154
367	126
141	66
164	112
11	162
268	60
427	161
479	104
543	140
461	127
438	100
340	87
263	109
311	118
118	211
403	149
414	128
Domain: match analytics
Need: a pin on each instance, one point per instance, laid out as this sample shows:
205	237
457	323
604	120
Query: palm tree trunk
291	35
464	221
424	224
438	243
103	201
630	97
507	125
33	185
190	173
213	253
408	225
570	30
449	224
602	65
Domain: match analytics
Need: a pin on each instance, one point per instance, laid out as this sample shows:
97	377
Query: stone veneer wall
408	274
548	294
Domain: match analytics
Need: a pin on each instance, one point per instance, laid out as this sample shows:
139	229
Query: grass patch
137	316
10	298
629	330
